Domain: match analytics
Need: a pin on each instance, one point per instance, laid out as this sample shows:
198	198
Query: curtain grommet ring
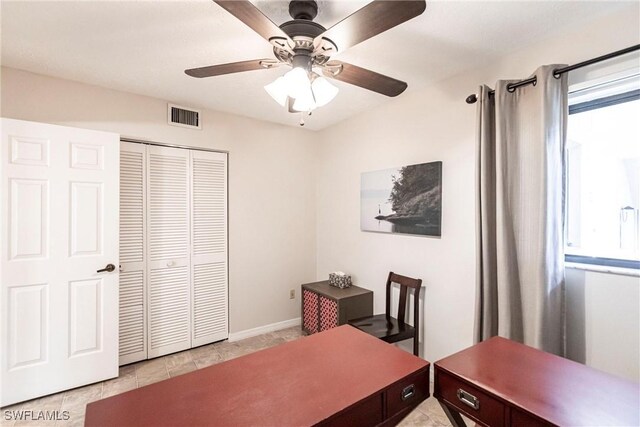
556	74
510	88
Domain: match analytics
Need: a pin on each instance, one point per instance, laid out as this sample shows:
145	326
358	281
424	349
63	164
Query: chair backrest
405	283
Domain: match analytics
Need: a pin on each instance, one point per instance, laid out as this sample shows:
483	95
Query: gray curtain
520	212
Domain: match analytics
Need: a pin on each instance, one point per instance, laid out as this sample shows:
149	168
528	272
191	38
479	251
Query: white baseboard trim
248	333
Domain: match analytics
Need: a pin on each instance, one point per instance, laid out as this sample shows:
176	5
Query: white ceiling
144	46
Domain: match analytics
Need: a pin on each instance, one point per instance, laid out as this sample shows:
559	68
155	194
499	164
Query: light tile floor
148	372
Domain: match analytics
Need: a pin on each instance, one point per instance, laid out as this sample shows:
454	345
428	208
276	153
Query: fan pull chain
302	117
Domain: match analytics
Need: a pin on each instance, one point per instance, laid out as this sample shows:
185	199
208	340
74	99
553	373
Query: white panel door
168	258
209	247
59	214
133	324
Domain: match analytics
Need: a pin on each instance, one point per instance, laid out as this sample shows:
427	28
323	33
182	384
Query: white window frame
595	93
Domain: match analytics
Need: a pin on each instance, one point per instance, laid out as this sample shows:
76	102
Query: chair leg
416	352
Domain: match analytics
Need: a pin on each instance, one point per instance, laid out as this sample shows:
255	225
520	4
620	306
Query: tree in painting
415	199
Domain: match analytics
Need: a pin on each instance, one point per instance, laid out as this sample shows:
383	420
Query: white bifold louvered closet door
173	250
169	282
209	247
133	324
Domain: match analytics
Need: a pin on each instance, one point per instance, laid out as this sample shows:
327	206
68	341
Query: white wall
271	182
436	124
603	321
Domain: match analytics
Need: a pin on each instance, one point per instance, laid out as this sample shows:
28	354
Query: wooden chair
388	328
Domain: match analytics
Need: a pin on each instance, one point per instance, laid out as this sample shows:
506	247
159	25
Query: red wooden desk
500	382
338	377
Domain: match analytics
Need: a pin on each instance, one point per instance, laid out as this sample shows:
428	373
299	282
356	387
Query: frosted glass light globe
323	91
278	90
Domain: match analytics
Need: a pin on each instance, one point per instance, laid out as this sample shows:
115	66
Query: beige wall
436	124
271	182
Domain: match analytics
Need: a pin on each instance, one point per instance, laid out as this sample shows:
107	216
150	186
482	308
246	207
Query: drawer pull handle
408	392
468	399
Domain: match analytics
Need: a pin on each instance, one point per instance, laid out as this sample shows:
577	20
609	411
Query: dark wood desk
500	383
338	377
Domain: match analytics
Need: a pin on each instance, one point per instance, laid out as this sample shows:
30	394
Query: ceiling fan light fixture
323	91
297	81
304	45
279	91
305	100
306	94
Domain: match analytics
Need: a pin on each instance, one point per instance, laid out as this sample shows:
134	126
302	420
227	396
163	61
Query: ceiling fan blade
373	19
234	67
364	78
250	15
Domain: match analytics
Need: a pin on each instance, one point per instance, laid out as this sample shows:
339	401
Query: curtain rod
471	99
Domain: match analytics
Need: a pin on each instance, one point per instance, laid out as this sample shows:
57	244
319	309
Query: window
603	175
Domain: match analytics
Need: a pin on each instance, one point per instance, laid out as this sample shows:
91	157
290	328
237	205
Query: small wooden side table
324	306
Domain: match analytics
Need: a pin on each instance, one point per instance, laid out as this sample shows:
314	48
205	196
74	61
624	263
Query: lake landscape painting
402	200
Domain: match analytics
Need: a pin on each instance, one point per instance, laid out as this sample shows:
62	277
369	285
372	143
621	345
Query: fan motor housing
303	9
302	27
303	31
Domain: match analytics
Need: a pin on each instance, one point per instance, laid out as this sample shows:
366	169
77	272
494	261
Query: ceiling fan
307	47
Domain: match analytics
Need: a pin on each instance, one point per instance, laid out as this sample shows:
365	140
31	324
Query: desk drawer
521	419
469	400
407	393
364	414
